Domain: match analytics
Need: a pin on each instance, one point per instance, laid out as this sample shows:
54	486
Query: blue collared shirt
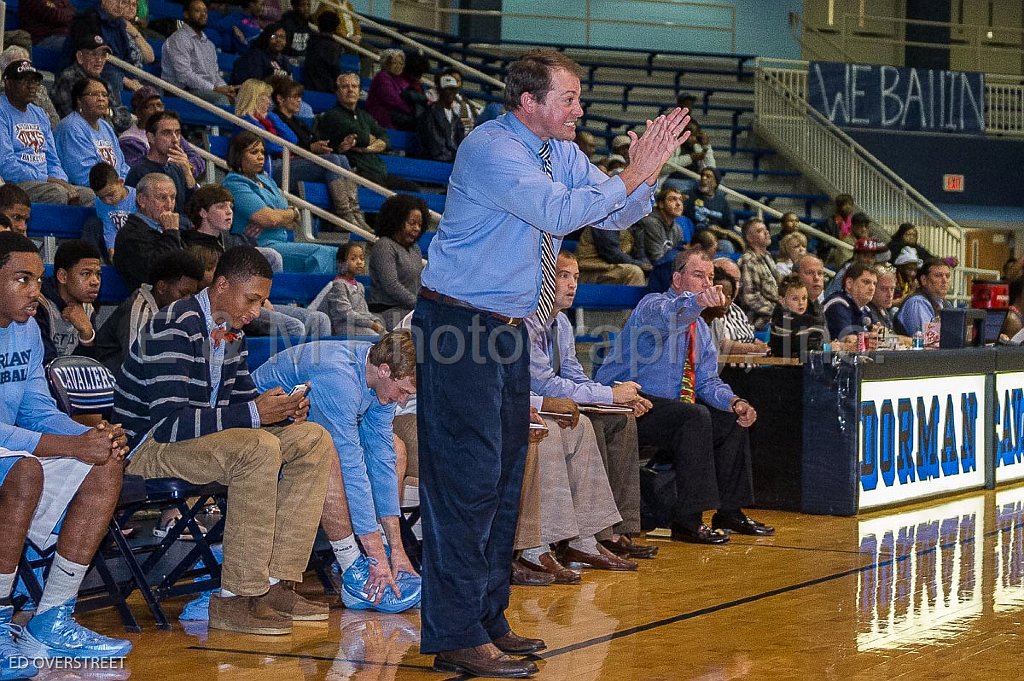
361	427
487	251
916	312
571	380
652	349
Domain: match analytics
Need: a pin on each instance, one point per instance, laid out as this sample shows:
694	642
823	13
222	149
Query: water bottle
918	341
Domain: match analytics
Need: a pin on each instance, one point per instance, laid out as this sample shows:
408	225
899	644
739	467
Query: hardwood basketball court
930	591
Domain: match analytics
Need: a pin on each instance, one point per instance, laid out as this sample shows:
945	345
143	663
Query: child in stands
114	201
793	330
344	299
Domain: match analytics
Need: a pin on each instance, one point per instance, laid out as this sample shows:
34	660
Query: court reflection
926	582
1008	593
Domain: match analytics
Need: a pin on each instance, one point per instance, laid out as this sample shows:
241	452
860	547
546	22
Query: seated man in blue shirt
847	313
556	372
60	480
353	389
925	304
666	347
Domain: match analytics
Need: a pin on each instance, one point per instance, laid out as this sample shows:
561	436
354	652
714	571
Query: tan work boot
247	614
283	599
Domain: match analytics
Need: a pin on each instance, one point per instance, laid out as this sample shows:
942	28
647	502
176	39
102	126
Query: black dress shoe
701	535
741	524
470	661
514	644
624	546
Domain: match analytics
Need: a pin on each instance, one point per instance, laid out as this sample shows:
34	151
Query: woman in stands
265	58
792	247
253	104
396	260
384	100
262	215
907	235
708	208
85	138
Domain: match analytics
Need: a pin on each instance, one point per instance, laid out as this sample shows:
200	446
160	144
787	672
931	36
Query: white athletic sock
7	584
274	580
224	593
346	551
533	555
585	544
63	583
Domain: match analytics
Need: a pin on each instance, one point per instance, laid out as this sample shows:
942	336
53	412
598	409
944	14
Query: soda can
862	342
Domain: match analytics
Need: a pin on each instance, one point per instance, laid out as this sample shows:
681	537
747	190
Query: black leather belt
431	294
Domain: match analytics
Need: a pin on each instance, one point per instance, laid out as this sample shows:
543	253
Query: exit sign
953	183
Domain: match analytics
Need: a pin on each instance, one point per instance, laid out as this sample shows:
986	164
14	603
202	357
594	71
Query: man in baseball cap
440	130
91	52
29	157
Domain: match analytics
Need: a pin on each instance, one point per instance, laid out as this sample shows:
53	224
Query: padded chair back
81	385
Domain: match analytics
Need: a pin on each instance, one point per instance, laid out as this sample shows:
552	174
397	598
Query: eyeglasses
95	94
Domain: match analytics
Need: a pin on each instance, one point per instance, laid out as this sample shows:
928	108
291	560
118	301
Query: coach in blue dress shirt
518	181
706	438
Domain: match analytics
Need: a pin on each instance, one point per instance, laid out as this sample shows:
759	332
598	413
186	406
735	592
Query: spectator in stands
841	222
866	251
174	275
264	59
440	130
907	266
555	372
885	290
189	59
60	479
708	209
323	56
154	230
860	229
196	414
812	272
13	53
794	331
907	236
85	138
587	143
246	27
108	19
167	157
134	143
396	260
66	316
371	140
114	202
262	213
28	155
16	206
142	52
604	258
925	304
353	389
417	66
695	155
658	233
90	62
47	21
287	96
705	241
696	419
847	312
759	280
349	29
344	299
384	100
465	108
731	330
1014	321
296	24
788	223
792	247
211	211
620	146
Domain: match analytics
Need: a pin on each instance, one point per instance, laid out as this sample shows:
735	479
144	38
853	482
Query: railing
839	164
589	19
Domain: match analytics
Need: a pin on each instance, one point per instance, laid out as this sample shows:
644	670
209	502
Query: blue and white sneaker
354	596
55	633
13	663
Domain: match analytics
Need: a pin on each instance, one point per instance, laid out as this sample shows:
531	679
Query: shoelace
15	630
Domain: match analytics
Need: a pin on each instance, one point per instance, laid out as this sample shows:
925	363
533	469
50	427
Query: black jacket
138	246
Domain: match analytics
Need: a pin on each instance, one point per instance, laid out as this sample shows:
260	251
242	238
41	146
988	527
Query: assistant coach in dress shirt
519	184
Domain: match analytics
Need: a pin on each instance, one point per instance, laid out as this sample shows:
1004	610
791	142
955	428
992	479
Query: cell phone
299	390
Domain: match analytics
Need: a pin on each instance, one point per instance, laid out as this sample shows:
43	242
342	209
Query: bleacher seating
418	169
62	222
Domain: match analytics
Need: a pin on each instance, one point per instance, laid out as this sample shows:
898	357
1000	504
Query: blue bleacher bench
370	202
418	169
62	222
